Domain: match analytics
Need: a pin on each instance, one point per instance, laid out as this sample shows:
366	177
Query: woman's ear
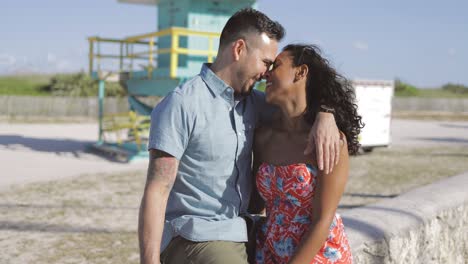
238	47
301	72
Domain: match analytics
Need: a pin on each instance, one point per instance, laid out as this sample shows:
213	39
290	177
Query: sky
424	43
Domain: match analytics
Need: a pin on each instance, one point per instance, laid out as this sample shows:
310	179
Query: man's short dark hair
250	20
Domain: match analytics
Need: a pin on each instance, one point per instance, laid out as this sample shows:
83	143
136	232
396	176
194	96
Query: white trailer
374	100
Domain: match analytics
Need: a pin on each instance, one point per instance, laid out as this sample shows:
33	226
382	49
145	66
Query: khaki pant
183	251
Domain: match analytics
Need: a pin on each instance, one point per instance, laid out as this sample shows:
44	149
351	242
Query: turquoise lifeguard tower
154	63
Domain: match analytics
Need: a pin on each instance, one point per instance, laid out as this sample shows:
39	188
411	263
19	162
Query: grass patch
439	93
449	90
432	93
24	85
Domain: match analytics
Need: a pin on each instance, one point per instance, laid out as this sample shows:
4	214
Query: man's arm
324	138
162	171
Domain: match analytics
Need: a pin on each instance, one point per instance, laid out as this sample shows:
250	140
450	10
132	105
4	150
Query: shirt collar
215	84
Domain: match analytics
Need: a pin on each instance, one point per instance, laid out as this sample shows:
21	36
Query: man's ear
238	48
301	72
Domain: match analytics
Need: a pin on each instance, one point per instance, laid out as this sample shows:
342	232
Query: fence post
101	107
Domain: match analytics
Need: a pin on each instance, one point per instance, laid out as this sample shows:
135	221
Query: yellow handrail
148	39
174	54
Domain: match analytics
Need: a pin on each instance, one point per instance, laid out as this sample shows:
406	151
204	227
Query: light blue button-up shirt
210	132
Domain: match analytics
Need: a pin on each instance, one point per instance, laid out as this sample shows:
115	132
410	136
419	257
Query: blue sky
422	42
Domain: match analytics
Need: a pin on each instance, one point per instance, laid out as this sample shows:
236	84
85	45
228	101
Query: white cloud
360	45
452	52
7	60
58	64
51	58
63	65
50	63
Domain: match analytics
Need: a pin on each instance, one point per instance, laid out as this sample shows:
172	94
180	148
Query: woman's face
280	79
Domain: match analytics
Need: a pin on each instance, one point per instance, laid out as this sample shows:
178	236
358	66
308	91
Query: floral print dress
288	192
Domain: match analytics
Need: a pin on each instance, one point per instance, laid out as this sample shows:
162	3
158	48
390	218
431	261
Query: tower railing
128	53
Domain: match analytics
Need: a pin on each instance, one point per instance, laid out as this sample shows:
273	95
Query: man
199	176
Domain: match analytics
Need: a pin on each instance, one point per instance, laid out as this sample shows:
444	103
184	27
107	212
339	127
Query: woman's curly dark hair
325	86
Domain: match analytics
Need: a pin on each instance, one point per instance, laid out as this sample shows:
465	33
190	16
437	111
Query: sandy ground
61	218
429	133
41	152
93	218
41	222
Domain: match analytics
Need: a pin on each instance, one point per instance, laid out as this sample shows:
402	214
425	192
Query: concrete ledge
426	225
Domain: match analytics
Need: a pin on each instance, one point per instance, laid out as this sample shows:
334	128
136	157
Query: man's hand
324	138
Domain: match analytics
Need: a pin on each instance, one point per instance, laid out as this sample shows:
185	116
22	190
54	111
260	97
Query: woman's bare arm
328	194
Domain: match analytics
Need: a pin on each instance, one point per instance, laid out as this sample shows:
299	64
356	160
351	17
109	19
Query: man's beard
243	76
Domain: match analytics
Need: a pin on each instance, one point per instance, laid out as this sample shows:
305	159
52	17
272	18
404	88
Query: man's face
260	54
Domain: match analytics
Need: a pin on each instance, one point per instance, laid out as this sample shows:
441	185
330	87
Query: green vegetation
404	89
455	88
261	86
440	93
449	90
80	84
77	84
24	85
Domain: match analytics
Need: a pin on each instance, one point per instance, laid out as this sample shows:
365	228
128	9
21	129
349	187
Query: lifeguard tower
152	64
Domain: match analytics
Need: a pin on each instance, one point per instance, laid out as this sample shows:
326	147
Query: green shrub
261	86
405	89
455	88
27	85
80	84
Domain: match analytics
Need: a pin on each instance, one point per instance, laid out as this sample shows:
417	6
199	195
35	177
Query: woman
302	225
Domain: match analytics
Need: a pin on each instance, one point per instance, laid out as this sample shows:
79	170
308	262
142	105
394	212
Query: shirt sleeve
170	126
